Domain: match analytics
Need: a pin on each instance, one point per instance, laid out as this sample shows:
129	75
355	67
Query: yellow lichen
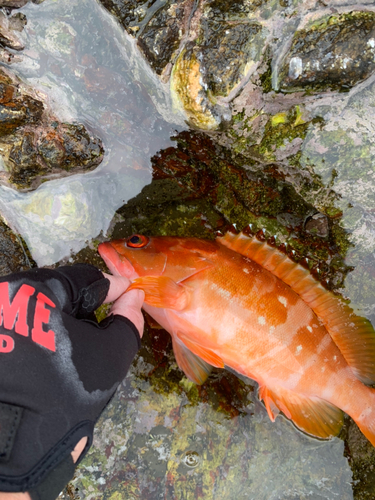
188	93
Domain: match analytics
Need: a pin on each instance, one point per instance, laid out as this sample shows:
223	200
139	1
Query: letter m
14	314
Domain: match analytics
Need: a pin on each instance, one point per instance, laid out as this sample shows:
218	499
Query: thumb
129	305
117	286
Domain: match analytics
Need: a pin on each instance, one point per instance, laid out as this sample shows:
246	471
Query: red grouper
242	303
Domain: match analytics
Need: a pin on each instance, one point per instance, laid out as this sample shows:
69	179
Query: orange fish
242	303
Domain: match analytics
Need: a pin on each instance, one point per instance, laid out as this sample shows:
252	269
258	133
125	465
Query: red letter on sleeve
46	339
17	309
6	343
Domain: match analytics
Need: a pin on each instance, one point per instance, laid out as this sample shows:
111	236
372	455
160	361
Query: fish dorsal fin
206	354
161	291
353	335
194	367
310	414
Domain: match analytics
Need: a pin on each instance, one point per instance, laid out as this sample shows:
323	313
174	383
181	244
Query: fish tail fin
366	419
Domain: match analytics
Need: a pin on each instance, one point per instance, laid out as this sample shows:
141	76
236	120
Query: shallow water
80	58
151	443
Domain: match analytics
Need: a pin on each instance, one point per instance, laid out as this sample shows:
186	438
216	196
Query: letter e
46	339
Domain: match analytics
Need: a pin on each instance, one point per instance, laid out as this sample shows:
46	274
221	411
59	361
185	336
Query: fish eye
137	241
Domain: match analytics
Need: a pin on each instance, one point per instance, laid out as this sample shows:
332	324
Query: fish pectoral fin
309	413
206	354
195	368
161	291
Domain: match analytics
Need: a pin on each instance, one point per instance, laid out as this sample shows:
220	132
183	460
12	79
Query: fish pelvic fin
353	335
194	367
310	414
163	292
202	352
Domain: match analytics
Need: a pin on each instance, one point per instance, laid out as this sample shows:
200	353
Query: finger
117	286
129	305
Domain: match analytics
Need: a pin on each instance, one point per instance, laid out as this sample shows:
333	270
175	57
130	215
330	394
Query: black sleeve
80	289
87	288
57	371
102	354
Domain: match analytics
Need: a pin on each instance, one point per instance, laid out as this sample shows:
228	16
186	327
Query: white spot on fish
298	349
283	300
245	270
326	340
309	328
295	67
272	329
261	320
334	358
327	393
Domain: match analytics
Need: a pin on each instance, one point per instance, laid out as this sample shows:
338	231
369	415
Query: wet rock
14	256
158	27
334	53
317	224
361	455
214	50
7	36
160	37
17	4
210	68
13	4
210	44
17	22
16	109
190	95
34	145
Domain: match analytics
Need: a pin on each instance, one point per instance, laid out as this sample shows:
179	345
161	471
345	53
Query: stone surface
212	49
14	255
34	144
334	53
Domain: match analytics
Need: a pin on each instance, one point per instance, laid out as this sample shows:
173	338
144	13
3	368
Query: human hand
62	366
127	304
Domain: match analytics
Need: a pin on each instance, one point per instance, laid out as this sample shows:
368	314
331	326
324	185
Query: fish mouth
116	263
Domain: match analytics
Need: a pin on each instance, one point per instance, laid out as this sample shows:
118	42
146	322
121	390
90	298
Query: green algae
280	132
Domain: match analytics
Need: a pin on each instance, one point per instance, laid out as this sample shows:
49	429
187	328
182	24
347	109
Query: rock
14	109
13	4
14	256
160	37
228	41
213	50
211	46
335	52
34	144
7	36
361	455
17	22
317	224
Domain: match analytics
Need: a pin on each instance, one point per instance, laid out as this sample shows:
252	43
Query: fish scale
242	303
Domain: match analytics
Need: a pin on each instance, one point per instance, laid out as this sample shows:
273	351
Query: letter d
6	343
